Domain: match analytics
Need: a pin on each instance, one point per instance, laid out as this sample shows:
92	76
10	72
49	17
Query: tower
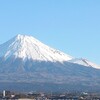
4	93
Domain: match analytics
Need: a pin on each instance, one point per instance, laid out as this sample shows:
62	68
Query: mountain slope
84	62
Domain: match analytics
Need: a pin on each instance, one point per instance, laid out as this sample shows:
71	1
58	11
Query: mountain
26	62
27	47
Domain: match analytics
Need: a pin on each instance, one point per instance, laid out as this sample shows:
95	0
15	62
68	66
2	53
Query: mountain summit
27	47
26	61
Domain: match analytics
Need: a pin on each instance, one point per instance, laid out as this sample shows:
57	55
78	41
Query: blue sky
72	26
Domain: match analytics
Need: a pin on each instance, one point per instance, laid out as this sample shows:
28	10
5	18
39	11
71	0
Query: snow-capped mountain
27	47
84	62
24	59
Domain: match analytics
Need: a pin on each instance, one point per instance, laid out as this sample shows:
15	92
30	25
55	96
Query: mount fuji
27	47
28	64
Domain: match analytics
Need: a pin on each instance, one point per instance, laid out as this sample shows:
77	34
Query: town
9	95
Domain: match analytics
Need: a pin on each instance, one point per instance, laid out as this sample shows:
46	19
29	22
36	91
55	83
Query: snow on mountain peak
27	47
